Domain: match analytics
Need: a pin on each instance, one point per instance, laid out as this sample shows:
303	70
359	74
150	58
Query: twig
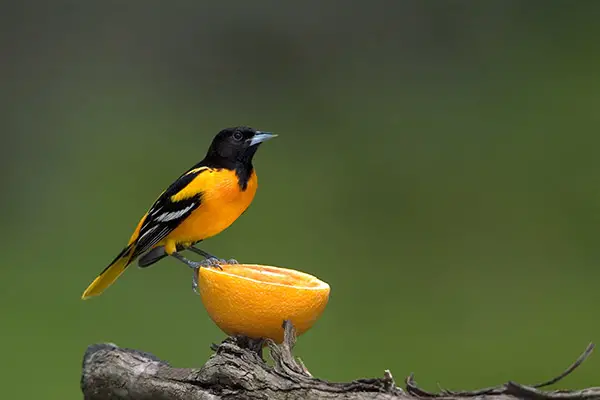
512	388
588	351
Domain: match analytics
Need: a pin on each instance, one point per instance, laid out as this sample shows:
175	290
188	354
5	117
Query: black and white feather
165	215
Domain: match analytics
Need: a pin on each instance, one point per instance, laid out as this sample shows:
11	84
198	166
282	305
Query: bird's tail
110	273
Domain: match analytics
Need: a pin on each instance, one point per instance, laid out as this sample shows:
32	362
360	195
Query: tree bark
237	370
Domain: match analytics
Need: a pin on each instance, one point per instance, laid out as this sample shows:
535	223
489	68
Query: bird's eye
237	136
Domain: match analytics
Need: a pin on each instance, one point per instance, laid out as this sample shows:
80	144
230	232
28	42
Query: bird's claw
211	262
215	262
195	283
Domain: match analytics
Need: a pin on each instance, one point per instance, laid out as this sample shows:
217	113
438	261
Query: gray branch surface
237	370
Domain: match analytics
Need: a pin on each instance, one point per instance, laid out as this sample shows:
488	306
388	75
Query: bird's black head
234	148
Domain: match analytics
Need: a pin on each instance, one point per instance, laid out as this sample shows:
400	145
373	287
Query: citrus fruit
254	300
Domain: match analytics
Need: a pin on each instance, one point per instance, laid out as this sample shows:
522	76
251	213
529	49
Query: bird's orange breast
222	202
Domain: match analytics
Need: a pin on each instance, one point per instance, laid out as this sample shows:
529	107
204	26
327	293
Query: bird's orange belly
208	221
217	211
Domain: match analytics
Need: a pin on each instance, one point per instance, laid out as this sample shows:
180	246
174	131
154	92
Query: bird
201	203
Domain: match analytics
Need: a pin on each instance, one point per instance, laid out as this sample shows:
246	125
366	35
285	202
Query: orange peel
254	300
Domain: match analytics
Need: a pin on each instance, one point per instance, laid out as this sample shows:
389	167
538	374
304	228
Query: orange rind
254	300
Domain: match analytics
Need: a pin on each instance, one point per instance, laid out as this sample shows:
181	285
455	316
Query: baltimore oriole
201	203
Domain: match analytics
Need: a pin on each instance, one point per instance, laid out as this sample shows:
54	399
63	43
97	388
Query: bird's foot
214	262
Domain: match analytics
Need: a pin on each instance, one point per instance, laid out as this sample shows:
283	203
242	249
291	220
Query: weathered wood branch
238	371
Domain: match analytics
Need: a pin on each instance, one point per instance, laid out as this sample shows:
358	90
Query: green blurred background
437	166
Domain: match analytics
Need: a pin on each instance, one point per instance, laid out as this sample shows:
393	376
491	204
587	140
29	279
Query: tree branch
237	370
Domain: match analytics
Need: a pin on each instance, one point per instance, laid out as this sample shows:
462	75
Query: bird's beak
260	137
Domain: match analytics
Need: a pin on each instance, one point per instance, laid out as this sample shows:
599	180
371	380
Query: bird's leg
195	266
201	252
210	259
192	264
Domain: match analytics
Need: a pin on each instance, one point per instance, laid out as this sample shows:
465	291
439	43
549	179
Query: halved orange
253	300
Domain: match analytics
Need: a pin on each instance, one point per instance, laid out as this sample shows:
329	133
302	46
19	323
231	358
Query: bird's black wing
165	215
